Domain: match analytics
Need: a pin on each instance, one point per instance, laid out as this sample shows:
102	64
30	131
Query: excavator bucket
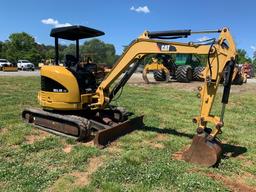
202	151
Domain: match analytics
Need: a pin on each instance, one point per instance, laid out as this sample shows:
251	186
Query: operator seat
84	76
70	60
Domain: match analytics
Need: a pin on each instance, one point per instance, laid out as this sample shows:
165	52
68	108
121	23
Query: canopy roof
75	32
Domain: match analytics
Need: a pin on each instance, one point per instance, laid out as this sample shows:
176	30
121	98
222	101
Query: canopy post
77	50
56	51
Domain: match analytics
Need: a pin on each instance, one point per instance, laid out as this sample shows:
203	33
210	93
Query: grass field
145	160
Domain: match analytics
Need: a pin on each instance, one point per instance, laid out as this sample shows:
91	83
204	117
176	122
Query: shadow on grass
232	150
167	131
228	149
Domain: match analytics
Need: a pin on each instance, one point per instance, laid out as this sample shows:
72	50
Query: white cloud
63	25
204	38
63	42
36	39
253	48
140	9
54	22
49	21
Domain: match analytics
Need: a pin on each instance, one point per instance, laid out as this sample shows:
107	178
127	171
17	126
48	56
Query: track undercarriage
103	126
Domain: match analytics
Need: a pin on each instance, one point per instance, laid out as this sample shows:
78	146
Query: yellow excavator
75	105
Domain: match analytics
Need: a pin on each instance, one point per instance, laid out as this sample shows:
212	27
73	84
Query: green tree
99	51
254	60
2	49
22	46
70	50
242	56
48	52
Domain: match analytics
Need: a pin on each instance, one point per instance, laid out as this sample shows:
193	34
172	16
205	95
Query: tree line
23	46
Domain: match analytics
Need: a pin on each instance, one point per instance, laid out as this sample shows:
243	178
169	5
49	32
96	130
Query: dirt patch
247	88
89	143
178	154
247	176
30	139
137	80
114	148
67	148
156	145
233	184
83	178
71	181
161	137
3	130
3	185
248	163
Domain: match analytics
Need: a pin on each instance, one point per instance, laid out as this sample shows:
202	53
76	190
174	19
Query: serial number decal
60	90
166	47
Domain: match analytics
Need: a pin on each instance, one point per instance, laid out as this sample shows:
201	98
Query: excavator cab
83	73
67	93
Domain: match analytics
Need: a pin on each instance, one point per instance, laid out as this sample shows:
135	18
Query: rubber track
78	122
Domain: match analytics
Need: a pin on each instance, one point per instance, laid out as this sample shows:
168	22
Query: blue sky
124	20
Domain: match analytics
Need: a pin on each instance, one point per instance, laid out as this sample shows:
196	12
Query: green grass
140	161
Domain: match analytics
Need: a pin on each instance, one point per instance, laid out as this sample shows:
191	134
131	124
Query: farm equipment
185	68
75	105
10	68
247	69
6	66
239	76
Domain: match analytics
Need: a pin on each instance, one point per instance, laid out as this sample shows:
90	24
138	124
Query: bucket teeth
203	151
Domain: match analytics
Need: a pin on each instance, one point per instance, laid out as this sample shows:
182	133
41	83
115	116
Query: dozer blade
105	136
202	151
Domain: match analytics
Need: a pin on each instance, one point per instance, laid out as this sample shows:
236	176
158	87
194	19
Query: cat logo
165	47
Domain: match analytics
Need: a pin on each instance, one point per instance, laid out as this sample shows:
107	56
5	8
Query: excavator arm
221	55
221	62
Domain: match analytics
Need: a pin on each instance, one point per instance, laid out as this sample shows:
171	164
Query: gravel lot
21	73
137	80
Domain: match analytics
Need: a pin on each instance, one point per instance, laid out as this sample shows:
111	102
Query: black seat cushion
85	79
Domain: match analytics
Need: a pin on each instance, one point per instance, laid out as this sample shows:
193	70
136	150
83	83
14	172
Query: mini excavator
74	105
